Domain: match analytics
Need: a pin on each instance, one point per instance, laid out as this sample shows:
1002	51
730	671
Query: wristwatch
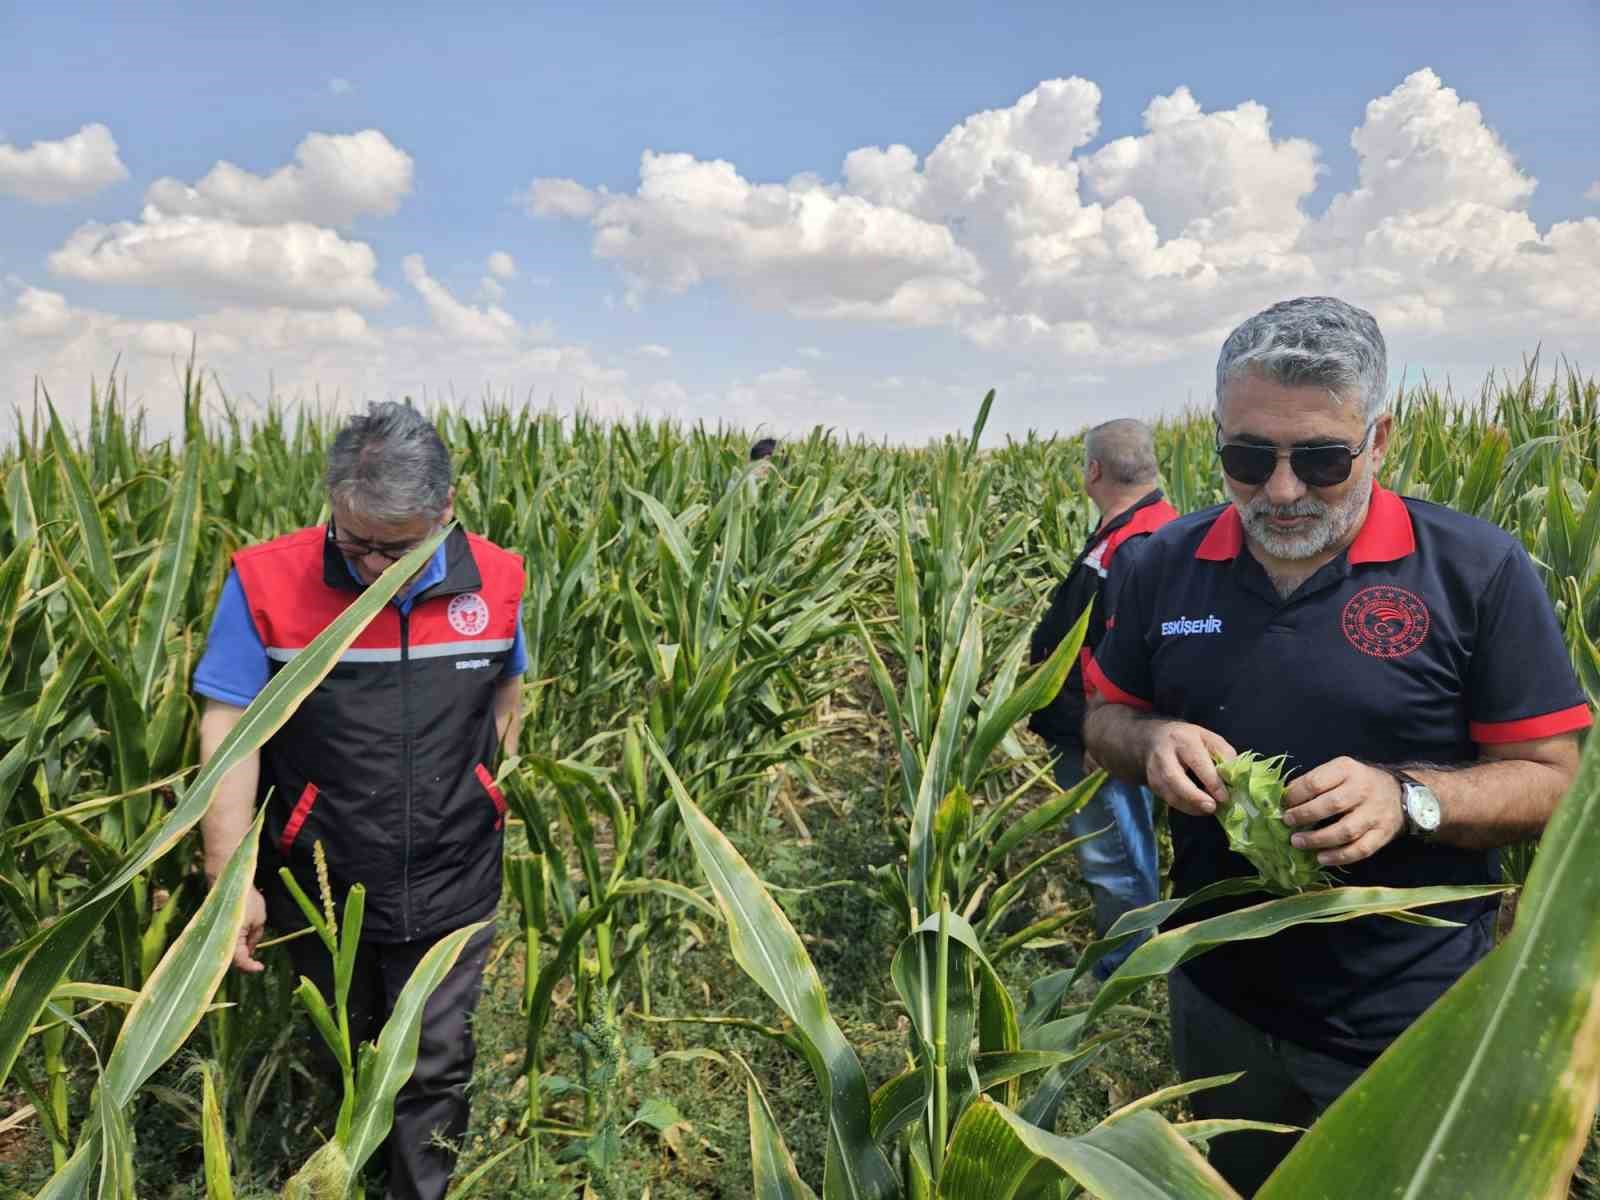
1418	805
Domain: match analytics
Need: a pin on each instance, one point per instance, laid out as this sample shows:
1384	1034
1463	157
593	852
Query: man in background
1118	865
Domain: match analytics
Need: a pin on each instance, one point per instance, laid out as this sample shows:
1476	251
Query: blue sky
893	324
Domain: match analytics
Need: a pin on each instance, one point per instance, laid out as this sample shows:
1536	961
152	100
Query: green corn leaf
936	774
396	1056
1560	527
125	713
1036	691
672	535
219	1174
900	1101
344	965
554	971
1130	924
181	987
1584	545
1483	475
1056	809
30	971
116	1150
91	523
993	1152
1166	950
97	993
771	953
1009	892
163	601
17	575
45	711
1175	1092
771	1163
1204	1131
670	889
1508	1055
161	1018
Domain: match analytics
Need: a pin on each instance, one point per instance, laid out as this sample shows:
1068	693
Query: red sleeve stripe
297	818
1096	678
1568	720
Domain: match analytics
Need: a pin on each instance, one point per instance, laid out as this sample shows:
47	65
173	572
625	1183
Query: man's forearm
1117	737
508	713
232	809
1493	804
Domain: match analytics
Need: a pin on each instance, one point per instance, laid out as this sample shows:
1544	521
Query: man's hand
255	920
1364	798
1180	766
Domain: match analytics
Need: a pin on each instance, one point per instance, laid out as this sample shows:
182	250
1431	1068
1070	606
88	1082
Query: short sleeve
234	667
1521	685
517	660
1119	669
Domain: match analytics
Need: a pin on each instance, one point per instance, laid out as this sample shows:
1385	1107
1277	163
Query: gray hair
390	466
1313	341
1125	448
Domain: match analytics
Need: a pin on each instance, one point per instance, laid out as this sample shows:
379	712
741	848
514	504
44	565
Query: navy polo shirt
1430	636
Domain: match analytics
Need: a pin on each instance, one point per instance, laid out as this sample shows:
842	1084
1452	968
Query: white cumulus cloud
334	179
294	264
238	237
1146	250
501	265
333	357
490	324
340	86
56	172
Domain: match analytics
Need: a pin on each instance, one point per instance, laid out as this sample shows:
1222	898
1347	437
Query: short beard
1333	522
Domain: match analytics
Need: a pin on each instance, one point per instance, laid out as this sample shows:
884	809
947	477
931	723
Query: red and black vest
1061	721
387	762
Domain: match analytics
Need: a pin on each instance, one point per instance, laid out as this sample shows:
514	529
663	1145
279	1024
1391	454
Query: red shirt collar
1386	534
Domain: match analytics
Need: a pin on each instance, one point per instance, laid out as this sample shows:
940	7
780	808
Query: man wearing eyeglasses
388	764
1404	656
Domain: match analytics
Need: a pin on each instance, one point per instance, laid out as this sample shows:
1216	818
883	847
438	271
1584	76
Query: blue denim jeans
1120	865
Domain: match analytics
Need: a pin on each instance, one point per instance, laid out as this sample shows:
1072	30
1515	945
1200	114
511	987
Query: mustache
1260	507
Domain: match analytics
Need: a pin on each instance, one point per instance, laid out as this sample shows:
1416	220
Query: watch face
1423	807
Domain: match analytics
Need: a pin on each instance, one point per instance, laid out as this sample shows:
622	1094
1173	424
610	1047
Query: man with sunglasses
388	763
1407	660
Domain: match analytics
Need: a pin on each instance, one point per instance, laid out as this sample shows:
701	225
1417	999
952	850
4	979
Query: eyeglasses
358	548
1317	466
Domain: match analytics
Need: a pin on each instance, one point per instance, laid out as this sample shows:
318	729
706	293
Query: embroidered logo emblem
468	614
1385	621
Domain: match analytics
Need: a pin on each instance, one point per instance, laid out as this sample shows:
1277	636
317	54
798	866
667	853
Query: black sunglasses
358	548
1317	466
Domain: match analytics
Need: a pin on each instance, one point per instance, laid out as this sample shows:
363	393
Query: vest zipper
405	718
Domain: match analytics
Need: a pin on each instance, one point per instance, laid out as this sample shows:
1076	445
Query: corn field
708	644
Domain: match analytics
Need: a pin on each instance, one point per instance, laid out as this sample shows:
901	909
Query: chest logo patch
1385	621
468	614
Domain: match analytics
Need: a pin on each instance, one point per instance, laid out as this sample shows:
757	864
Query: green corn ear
1253	820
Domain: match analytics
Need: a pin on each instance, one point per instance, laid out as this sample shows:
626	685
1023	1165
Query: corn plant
958	1138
